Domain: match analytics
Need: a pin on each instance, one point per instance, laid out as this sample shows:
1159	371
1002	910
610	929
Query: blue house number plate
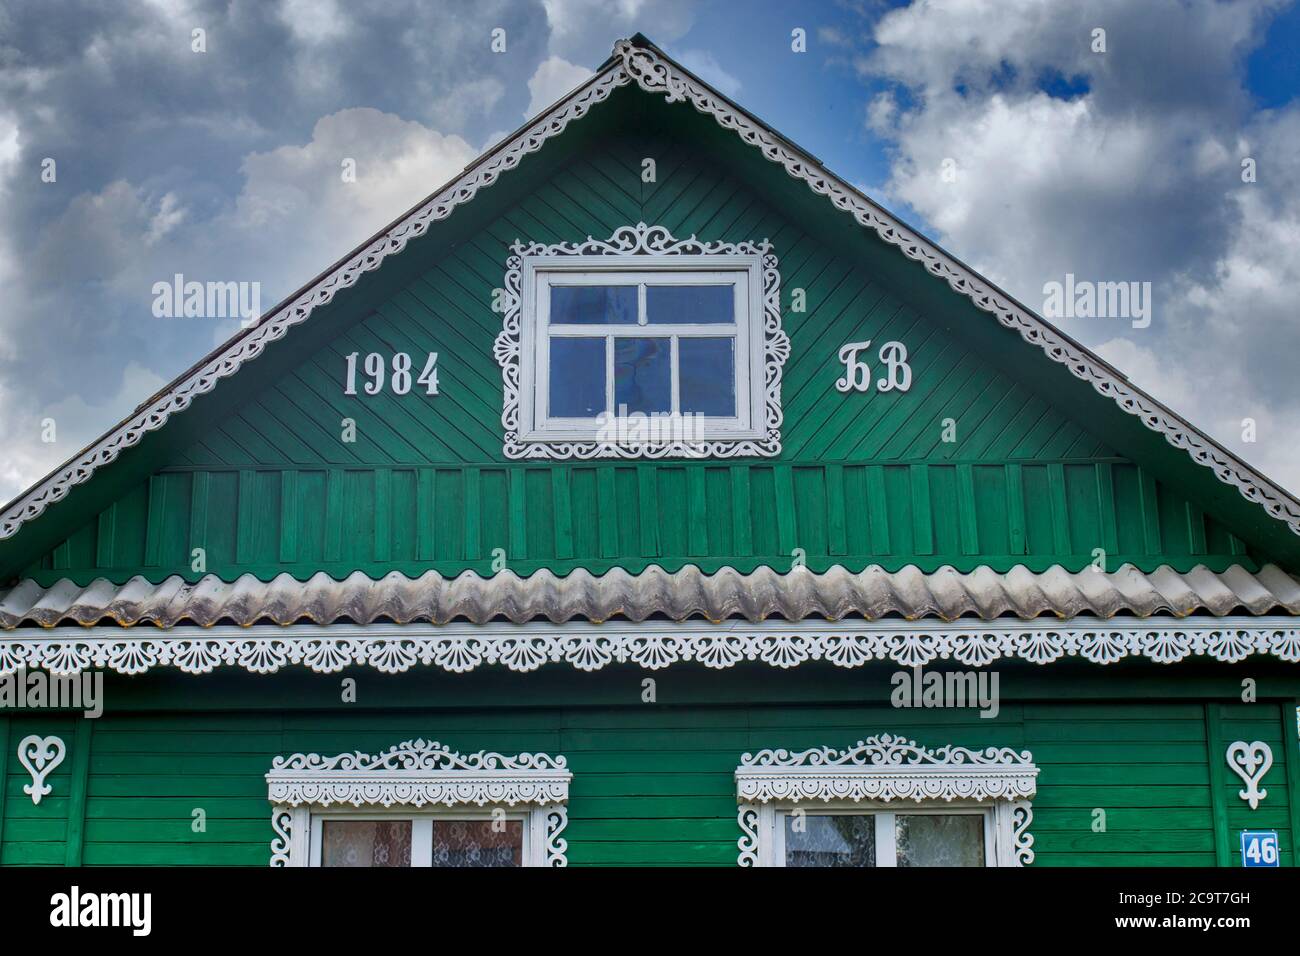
1259	848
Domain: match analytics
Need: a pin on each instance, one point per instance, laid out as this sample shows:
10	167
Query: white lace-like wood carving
630	242
39	756
460	648
416	774
886	768
656	75
1250	761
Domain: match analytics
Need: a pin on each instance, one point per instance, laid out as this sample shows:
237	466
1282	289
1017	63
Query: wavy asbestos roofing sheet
688	593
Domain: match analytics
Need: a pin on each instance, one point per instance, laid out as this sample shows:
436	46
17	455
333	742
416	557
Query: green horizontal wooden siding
1122	782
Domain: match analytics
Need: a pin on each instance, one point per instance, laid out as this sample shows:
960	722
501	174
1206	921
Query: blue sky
1120	164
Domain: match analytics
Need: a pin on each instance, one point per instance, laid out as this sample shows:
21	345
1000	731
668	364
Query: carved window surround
417	778
763	347
877	775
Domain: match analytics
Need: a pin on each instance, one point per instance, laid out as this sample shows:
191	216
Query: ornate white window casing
417	780
635	255
874	776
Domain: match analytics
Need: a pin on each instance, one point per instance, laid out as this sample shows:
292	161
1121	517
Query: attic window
643	346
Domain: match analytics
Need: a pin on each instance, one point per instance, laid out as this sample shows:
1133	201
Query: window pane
816	839
707	376
577	379
643	375
365	843
690	303
593	304
476	843
938	839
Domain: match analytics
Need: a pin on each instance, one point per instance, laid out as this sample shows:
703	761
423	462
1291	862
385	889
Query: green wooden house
648	495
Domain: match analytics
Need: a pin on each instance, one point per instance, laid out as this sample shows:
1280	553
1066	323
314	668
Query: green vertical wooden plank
647	490
697	512
837	536
473	513
289	522
62	556
878	509
607	506
1106	507
424	514
80	780
246	517
199	511
153	522
1150	511
334	515
1060	508
518	517
563	496
922	521
106	534
1235	544
1291	755
4	771
1218	809
383	544
970	534
786	528
1196	528
742	519
1016	508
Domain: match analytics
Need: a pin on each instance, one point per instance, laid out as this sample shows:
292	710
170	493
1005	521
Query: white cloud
553	78
1129	173
583	31
703	64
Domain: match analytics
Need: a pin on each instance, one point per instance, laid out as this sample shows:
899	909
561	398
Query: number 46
400	381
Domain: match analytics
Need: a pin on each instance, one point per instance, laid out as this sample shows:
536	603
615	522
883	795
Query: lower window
886	802
418	803
438	839
853	837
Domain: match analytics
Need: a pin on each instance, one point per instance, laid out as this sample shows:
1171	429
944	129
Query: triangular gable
636	61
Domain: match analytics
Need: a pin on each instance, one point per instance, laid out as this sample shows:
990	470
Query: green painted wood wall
653	782
863	478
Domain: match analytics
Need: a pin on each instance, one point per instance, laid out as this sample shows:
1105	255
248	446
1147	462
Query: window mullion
609	376
422	841
886	839
676	405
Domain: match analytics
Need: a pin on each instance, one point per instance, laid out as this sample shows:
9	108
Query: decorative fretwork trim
629	242
656	74
460	648
418	773
886	768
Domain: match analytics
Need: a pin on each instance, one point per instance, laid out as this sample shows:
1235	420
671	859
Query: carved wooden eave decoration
637	61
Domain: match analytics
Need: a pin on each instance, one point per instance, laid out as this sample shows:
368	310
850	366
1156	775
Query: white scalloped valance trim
656	74
418	773
629	242
886	768
653	645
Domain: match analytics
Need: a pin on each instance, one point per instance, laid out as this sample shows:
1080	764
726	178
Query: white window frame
420	781
532	851
640	254
996	819
885	776
542	273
